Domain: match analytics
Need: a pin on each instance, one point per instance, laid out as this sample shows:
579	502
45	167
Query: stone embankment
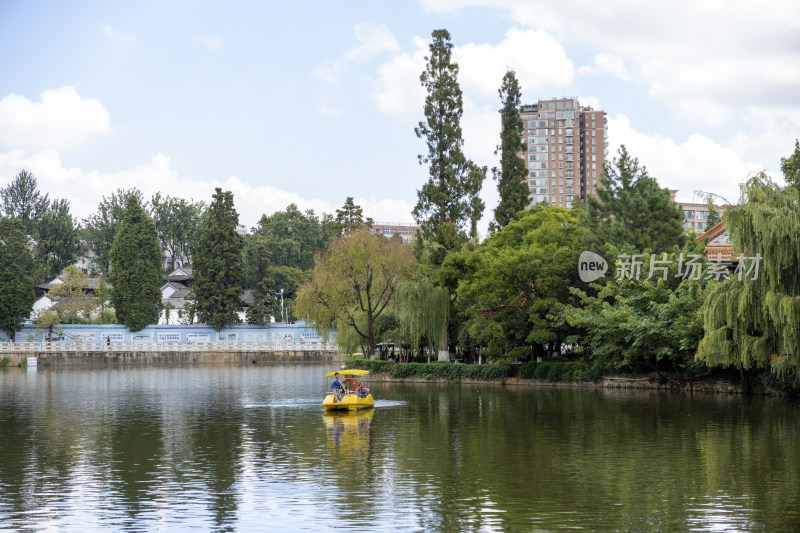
111	358
608	382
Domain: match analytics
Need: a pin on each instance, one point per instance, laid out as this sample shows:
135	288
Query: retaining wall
97	358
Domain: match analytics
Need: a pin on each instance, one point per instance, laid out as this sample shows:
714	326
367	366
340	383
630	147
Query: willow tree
353	283
752	320
423	312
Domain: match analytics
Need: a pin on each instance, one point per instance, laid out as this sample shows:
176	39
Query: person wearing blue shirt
337	387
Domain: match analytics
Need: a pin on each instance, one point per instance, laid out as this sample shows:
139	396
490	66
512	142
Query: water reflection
229	448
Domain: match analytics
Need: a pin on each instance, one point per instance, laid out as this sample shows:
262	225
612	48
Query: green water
248	448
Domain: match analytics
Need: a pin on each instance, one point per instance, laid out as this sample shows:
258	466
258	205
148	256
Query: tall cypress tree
448	202
511	183
16	280
136	268
218	264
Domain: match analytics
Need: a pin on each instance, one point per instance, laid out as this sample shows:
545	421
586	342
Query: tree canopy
630	321
16	279
178	224
58	245
101	227
520	280
218	266
351	216
22	200
511	183
631	208
136	268
293	237
790	166
353	282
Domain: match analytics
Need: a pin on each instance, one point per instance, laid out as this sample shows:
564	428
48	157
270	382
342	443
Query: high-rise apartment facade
567	148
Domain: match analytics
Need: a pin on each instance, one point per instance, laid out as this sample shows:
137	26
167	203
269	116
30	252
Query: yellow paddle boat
349	397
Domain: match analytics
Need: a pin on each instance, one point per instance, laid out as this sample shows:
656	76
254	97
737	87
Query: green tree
218	267
631	208
353	283
21	199
57	245
177	223
752	320
511	182
643	320
294	237
101	227
136	268
423	312
448	202
262	282
351	216
522	275
16	280
71	299
712	218
790	166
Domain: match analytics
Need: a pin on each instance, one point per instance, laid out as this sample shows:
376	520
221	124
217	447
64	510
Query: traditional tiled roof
719	247
180	274
92	283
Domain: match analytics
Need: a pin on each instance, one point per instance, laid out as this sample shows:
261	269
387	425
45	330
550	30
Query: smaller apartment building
695	215
406	230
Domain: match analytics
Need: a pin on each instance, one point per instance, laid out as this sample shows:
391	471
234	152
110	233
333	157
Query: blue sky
316	101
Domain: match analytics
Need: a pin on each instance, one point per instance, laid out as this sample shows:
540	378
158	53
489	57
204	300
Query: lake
248	448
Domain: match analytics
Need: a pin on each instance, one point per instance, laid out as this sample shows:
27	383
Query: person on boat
337	387
361	390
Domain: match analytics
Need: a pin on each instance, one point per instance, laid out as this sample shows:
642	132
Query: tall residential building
567	147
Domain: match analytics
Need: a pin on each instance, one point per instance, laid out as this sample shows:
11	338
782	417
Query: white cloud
60	119
398	92
373	39
387	210
326	108
212	42
697	163
85	188
703	57
118	36
482	65
605	63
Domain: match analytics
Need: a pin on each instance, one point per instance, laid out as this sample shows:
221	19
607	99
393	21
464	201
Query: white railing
217	346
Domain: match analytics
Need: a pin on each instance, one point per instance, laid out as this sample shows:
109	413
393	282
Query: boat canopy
348	372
